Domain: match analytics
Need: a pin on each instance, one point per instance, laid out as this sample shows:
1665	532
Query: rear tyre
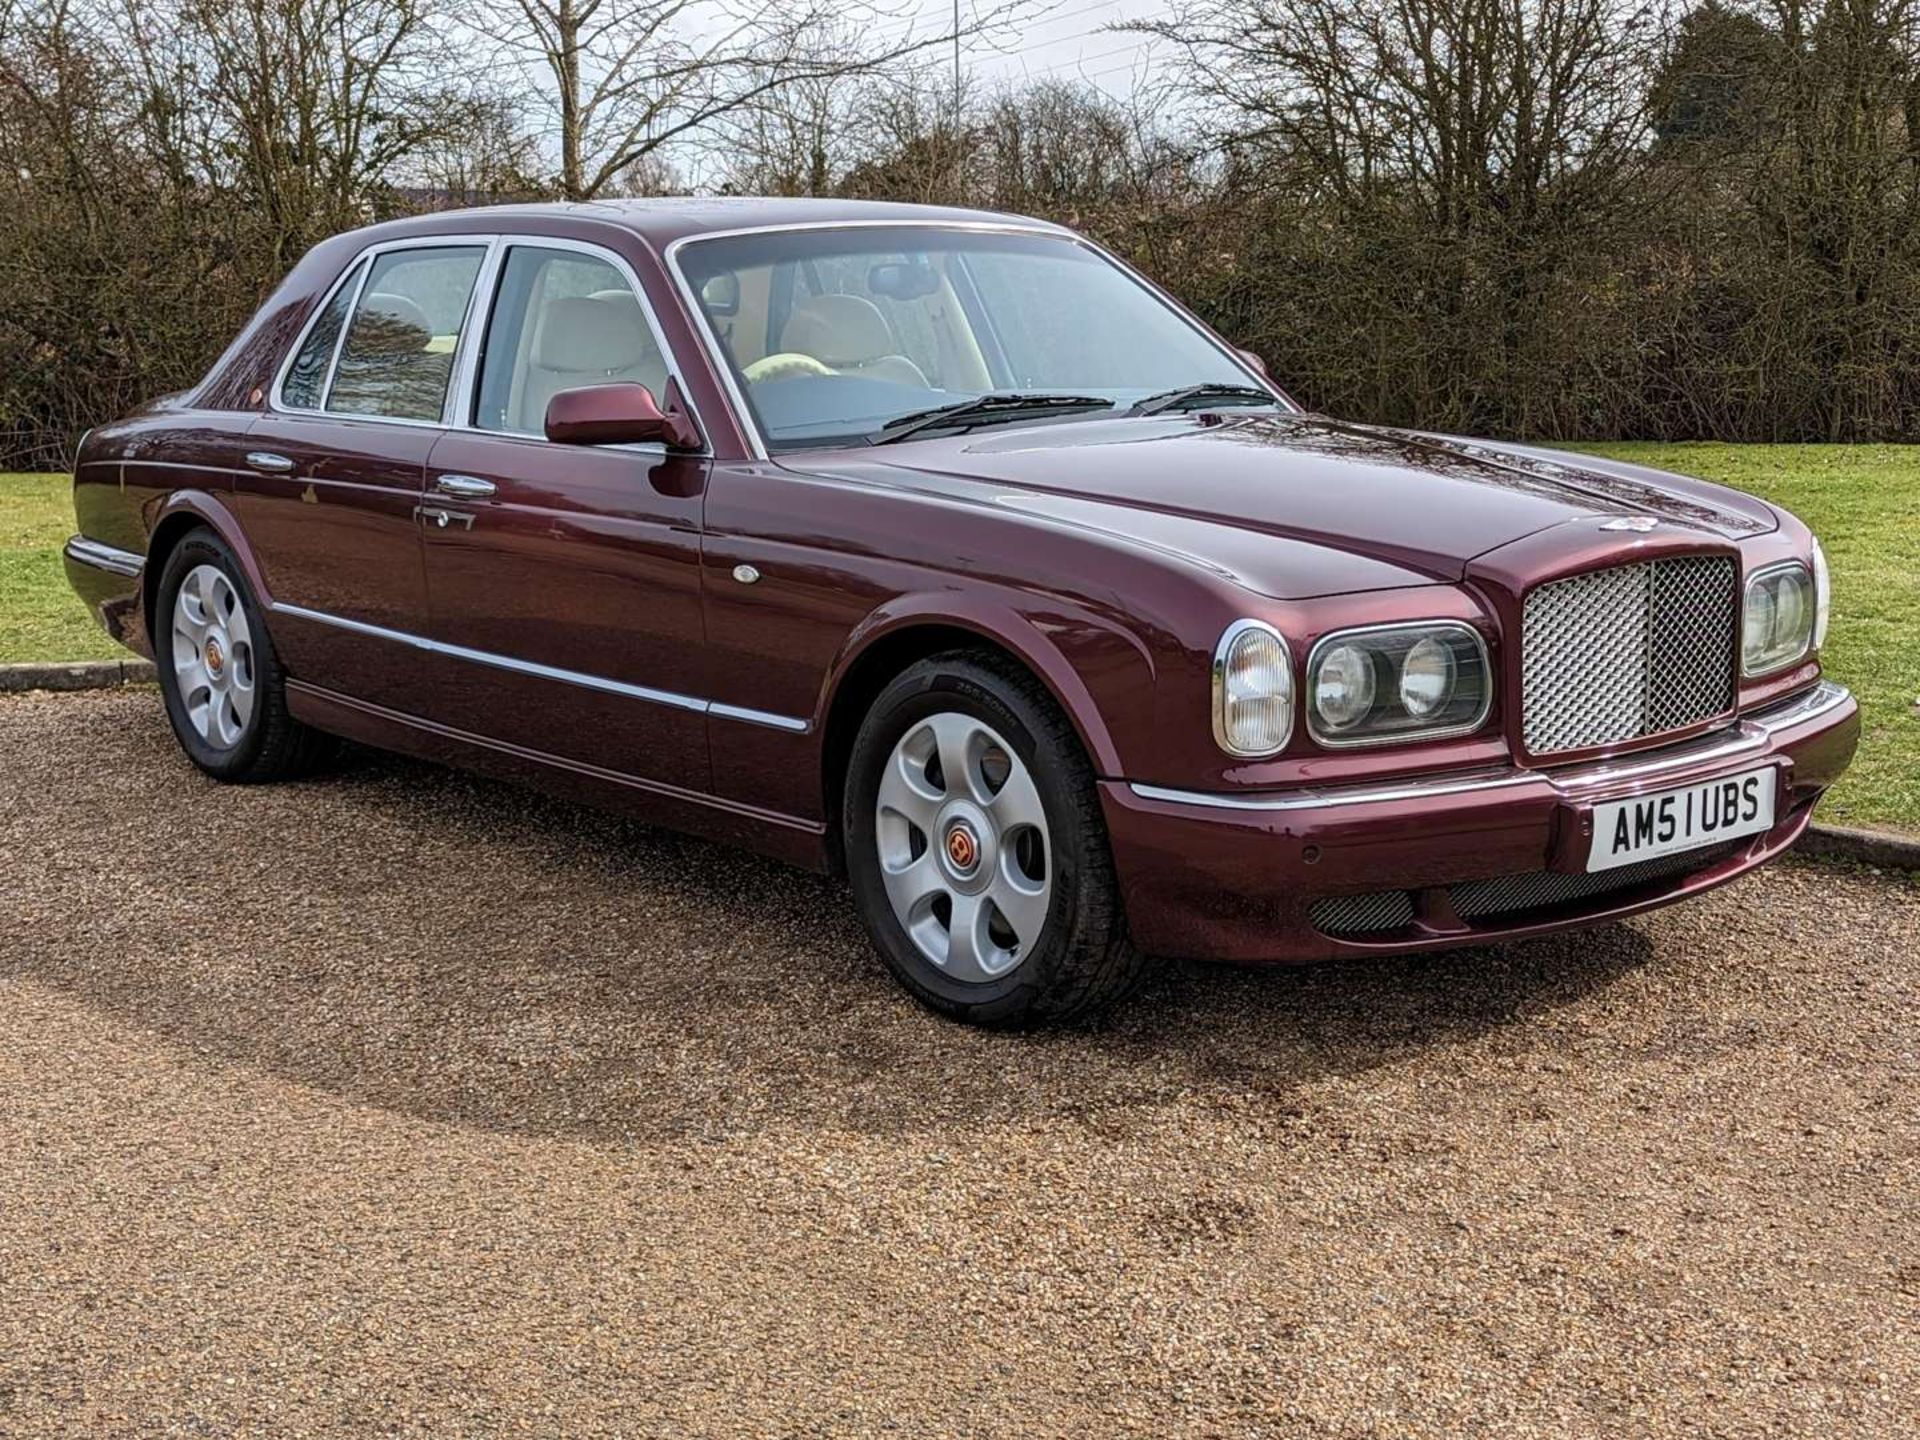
976	850
225	692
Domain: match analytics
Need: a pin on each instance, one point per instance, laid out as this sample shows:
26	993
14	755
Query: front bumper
1251	877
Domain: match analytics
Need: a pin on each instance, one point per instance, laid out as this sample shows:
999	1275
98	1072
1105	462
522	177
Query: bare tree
622	79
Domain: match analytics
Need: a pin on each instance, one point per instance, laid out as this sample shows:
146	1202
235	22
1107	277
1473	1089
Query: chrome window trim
1218	672
110	558
276	404
791	723
717	355
456	413
462	418
1407	737
1746	589
1755	732
358	273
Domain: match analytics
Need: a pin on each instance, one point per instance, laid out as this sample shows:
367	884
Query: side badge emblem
1639	524
745	574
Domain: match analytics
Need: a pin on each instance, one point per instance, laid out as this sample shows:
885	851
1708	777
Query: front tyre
976	849
224	689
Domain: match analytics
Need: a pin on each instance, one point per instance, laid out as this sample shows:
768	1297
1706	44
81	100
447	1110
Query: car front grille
1636	650
1506	896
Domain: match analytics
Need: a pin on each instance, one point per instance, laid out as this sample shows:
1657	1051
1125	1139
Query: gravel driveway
399	1102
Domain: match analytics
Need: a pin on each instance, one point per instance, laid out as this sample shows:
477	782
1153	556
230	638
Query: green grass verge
41	619
1862	500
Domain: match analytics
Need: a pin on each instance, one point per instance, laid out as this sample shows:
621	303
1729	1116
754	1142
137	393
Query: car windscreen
833	333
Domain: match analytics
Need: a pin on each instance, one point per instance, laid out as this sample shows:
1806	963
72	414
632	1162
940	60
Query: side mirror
620	413
1259	365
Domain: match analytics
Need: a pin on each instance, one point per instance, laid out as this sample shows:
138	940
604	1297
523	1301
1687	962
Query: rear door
330	490
564	580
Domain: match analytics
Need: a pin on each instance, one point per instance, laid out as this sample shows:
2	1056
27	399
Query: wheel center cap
963	847
216	655
966	843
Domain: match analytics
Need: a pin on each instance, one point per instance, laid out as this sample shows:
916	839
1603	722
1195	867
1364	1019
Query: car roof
661	221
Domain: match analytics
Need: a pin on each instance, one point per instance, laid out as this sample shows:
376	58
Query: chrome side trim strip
670	698
104	557
1753	734
758	717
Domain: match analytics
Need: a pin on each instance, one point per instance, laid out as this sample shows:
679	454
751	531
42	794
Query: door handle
269	463
467	487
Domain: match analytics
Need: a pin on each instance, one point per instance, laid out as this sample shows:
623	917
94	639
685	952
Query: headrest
391	325
839	329
582	335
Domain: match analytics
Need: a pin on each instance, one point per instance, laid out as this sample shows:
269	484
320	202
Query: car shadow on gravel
409	937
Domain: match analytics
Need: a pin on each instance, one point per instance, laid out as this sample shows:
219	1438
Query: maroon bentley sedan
940	549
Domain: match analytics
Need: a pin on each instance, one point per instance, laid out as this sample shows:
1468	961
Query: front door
563	581
330	490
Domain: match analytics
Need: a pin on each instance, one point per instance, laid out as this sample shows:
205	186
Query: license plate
1670	821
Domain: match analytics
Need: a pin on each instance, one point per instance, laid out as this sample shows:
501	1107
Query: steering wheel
786	365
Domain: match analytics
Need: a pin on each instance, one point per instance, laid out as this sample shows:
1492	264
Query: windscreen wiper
991	409
1212	390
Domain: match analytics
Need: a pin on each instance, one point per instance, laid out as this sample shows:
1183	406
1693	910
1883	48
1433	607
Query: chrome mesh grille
1505	894
1637	650
1358	914
1385	910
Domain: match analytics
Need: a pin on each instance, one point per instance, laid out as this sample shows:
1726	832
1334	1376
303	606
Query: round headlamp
1343	687
1426	678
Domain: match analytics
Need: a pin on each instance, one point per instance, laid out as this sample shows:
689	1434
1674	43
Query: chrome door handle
467	487
270	463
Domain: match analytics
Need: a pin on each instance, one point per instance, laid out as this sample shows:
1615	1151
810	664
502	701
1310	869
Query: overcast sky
1064	39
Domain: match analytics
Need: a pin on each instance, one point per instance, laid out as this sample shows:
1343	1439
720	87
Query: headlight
1779	618
1252	690
1343	687
1822	597
1398	682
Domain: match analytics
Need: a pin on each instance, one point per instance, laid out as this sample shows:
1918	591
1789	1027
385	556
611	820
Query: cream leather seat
582	340
848	333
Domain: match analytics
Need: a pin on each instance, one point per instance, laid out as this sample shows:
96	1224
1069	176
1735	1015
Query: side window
561	320
306	380
398	354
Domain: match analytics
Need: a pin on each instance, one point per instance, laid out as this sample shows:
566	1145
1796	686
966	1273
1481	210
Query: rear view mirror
721	294
912	280
622	413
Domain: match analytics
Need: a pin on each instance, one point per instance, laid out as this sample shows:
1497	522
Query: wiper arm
985	410
1212	390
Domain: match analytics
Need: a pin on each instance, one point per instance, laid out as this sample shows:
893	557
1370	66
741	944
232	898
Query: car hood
1381	506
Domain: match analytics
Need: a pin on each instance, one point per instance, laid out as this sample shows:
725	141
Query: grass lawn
40	617
1863	501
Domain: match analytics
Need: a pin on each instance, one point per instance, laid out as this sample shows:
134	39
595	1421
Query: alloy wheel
963	847
213	661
